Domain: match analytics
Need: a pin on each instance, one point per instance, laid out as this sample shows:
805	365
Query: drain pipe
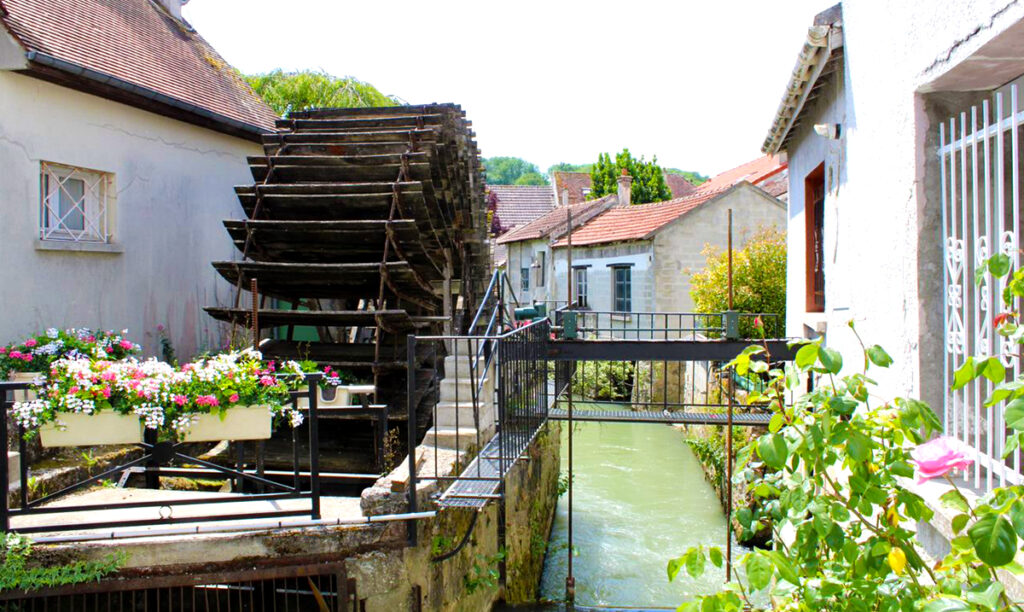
210	529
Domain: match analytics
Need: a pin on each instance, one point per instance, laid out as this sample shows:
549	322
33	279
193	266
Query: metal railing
610	325
154	460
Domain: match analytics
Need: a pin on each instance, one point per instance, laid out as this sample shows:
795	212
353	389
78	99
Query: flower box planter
341	397
91	429
24	395
239	423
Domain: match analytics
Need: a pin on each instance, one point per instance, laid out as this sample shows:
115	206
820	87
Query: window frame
580	285
627	284
524	280
814	239
94	208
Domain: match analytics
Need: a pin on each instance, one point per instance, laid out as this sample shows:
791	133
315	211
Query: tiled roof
754	172
574	182
638	221
578	182
679	186
555	222
520	204
138	42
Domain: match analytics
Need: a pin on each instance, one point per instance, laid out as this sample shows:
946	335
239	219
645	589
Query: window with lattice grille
75	203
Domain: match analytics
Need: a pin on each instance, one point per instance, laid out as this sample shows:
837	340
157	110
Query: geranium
939	457
36	353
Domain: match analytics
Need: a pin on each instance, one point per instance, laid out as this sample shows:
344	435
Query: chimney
172	6
625	184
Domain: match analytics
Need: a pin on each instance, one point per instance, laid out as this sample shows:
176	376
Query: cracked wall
173	184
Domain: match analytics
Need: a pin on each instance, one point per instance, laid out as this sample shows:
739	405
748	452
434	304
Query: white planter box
24	395
92	430
239	423
341	398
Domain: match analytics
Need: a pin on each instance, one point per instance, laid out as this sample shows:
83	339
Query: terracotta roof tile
138	42
679	186
520	204
554	222
754	172
638	221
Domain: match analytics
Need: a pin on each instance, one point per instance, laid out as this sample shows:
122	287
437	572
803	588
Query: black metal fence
156	459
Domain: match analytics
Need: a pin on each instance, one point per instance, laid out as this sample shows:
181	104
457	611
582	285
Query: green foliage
694	177
648	180
532	178
711	453
288	91
16	573
604	380
484	573
563	484
567	167
508	171
759	282
842	457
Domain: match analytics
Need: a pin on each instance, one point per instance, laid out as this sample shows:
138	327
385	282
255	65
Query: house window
579	289
814	233
622	288
74	204
524	279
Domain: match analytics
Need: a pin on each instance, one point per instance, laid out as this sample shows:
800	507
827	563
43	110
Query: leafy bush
16	573
759	282
844	519
604	380
288	91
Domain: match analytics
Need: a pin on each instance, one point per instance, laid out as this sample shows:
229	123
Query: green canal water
639	499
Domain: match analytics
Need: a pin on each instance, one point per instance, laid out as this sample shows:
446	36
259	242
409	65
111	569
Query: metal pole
730	259
410	425
314	446
570	580
568	267
4	521
254	290
728	474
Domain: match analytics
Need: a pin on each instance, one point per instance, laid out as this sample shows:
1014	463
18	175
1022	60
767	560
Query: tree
759	282
648	180
292	91
694	177
507	170
566	167
532	178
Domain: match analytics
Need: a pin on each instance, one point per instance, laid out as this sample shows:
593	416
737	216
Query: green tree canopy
648	180
508	171
759	281
694	177
288	91
567	167
532	178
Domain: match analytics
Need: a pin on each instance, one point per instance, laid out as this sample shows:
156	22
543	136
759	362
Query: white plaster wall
598	258
679	246
174	186
883	244
523	255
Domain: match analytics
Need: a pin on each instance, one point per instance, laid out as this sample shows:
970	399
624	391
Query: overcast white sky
695	83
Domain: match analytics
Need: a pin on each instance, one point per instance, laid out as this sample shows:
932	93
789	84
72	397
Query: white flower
52	333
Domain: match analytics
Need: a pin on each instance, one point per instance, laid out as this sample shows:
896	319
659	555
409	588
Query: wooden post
730	259
568	266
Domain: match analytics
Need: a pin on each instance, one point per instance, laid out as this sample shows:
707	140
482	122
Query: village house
639	258
574	187
122	133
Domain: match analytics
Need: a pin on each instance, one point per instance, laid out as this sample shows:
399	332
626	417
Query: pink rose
234	398
939	457
31	342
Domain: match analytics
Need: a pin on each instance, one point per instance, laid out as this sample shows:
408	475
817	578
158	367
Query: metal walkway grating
747	419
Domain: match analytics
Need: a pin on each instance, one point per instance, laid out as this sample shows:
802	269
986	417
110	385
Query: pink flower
267	381
126	345
74	389
159	328
108	376
106	392
91	339
758	323
939	457
26	358
31	342
15	354
207	400
3	350
180	400
234	398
